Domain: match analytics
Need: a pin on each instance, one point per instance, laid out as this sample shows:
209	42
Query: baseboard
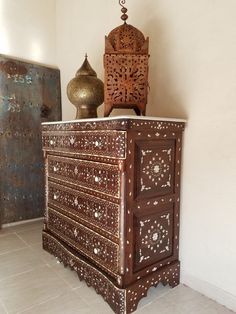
13	224
221	296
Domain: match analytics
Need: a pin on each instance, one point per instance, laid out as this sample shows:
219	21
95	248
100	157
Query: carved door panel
29	95
153	234
154	168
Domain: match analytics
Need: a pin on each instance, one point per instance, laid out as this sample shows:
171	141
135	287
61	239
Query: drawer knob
72	140
96	251
97	144
55	196
52	142
55	169
96	215
97	179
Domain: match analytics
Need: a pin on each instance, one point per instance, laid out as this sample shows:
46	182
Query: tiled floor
32	282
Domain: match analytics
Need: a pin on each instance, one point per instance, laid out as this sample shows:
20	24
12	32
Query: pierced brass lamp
85	91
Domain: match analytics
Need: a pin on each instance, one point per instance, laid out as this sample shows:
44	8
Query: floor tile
10	242
22	227
69	276
183	300
21	292
100	307
153	294
209	307
38	250
88	294
68	303
2	310
31	236
17	262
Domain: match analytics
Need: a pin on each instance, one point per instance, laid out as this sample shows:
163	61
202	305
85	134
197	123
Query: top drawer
110	143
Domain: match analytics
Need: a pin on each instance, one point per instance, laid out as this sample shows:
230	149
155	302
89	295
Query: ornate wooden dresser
113	198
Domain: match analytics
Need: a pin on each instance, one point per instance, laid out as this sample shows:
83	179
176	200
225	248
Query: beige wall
193	76
28	30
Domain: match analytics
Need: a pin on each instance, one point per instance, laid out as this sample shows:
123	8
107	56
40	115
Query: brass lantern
126	68
86	91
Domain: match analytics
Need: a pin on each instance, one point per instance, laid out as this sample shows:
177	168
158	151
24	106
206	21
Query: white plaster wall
193	76
28	30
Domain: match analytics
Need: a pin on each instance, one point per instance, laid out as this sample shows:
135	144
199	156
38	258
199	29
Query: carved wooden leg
175	279
166	275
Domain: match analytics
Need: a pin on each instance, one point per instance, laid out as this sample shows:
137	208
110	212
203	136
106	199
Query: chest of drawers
112	203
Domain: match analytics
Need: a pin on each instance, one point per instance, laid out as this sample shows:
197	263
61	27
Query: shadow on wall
164	99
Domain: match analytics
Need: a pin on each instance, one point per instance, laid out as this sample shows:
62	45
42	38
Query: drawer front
104	178
95	211
97	143
97	248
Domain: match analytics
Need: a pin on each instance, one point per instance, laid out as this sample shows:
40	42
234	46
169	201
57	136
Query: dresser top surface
118	118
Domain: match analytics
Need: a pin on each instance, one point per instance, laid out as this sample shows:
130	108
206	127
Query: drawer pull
96	215
72	140
96	251
97	144
52	142
55	169
55	196
97	179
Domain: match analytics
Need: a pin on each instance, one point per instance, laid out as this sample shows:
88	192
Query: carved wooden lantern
126	68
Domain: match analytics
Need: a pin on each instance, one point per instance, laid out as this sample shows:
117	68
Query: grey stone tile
29	289
68	303
209	307
153	294
88	294
2	309
100	307
69	276
38	250
23	227
17	262
10	242
31	236
183	300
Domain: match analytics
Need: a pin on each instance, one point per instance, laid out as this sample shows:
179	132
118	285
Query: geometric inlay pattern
103	178
95	247
154	237
156	169
100	143
99	213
